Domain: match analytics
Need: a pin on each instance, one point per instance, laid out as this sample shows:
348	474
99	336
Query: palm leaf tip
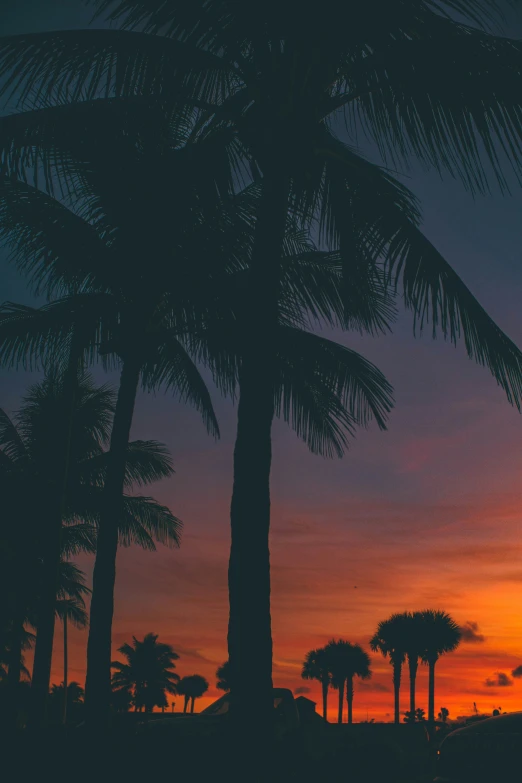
437	295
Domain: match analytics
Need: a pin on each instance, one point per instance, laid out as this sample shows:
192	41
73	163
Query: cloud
517	672
301	690
500	680
373	686
470	633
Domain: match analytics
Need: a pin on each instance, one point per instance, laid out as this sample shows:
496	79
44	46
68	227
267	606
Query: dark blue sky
431	507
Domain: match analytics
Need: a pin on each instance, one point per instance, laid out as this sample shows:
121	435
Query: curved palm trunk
65	669
431	690
341	702
249	630
349	697
324	686
397	669
43	651
413	663
98	680
185	706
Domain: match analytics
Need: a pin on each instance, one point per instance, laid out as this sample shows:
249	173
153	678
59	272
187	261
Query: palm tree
191	688
441	635
315	667
70	608
149	672
412	632
223	677
389	640
323	390
346	661
267	78
26	466
71	694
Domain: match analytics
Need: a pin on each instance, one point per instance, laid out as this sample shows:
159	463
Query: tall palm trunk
98	680
249	631
43	651
341	702
413	663
65	669
325	686
349	697
185	706
431	690
192	703
397	669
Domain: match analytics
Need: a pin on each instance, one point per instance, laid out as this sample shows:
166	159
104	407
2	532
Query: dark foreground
124	755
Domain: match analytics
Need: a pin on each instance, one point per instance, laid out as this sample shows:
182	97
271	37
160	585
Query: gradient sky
427	514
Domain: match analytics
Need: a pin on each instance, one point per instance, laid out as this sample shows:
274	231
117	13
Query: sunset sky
425	515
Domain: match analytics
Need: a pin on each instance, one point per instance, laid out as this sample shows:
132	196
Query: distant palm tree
346	661
413	644
72	694
191	688
70	608
223	676
441	635
389	640
315	667
149	672
417	716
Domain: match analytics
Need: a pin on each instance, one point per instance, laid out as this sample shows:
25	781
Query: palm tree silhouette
26	468
413	644
225	63
149	672
70	608
191	688
223	677
441	635
316	667
389	640
72	695
346	661
322	389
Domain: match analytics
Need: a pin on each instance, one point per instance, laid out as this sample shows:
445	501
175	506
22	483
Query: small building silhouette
305	707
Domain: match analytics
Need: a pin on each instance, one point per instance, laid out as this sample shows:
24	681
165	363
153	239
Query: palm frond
48	242
175	370
436	294
11	441
145	521
73	611
449	95
324	391
71	63
34	337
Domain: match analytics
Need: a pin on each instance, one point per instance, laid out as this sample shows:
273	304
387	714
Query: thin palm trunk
324	685
249	631
413	663
43	651
341	702
349	697
431	690
397	667
185	706
98	680
65	669
14	671
192	703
